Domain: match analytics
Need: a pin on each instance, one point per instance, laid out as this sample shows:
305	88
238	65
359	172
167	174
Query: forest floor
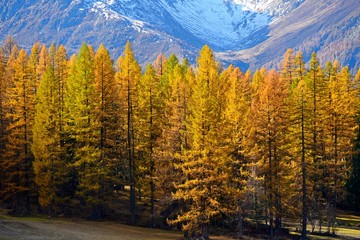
348	227
44	229
41	228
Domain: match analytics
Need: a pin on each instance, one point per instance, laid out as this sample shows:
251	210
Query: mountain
329	27
245	32
70	22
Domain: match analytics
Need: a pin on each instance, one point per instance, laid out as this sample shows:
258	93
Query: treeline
200	145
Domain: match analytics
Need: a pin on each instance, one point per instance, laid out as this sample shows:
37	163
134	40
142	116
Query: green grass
348	232
310	236
348	220
341	233
348	228
36	218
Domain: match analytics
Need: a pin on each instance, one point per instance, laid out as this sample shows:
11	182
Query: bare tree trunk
303	171
205	231
240	222
152	166
130	143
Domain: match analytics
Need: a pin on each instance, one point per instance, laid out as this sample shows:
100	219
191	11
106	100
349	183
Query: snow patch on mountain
221	23
111	2
104	9
275	8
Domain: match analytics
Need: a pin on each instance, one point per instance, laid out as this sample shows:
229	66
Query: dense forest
193	147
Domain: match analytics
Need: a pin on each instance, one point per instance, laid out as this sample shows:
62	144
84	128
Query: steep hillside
72	22
223	25
331	28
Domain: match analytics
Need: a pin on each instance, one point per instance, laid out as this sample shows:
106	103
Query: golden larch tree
106	110
50	167
83	129
17	168
202	189
127	76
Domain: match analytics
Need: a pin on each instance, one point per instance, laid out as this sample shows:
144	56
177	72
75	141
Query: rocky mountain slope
245	32
329	27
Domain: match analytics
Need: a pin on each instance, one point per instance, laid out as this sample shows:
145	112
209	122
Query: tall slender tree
149	129
17	184
353	197
159	64
61	71
49	166
8	46
44	61
3	89
236	110
6	107
3	119
128	76
106	110
340	127
317	86
270	148
300	112
83	127
203	186
288	67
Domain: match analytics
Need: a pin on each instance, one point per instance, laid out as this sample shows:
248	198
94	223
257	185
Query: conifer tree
203	187
318	98
128	76
288	67
270	129
3	120
236	109
340	127
44	61
149	123
33	64
159	64
17	164
257	80
3	88
106	110
49	166
61	72
300	70
83	127
255	184
33	81
299	106
52	172
353	197
256	180
173	141
166	80
8	46
7	83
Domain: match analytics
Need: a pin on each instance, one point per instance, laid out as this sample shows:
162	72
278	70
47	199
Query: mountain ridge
248	33
331	28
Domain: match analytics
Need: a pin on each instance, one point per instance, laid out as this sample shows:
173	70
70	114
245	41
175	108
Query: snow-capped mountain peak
246	27
224	24
220	23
